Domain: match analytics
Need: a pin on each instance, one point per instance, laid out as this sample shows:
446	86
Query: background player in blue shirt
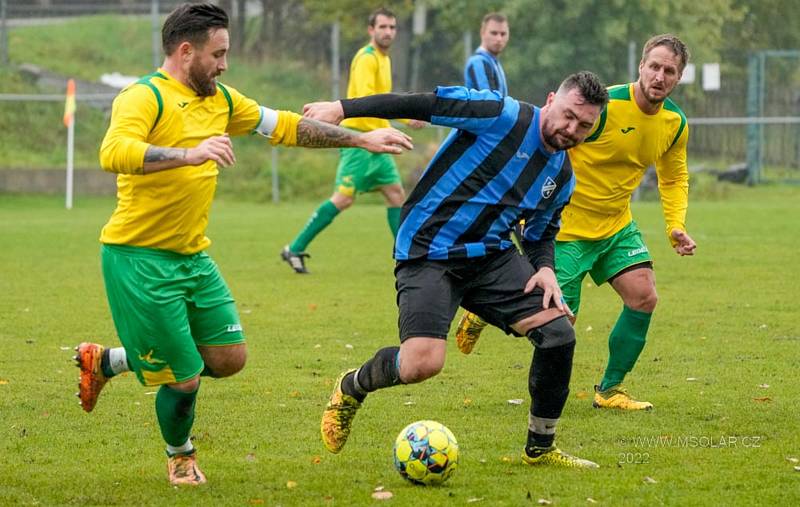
504	161
483	70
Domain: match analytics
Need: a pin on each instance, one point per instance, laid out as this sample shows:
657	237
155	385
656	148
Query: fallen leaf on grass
312	307
474	499
582	395
763	399
690	379
506	459
763	386
797	469
588	329
348	346
650	480
294	394
467	402
382	495
792	460
515	402
66	348
316	460
250	457
291	484
544	501
590	499
256	501
3	382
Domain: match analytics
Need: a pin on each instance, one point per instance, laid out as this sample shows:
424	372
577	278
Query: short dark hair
669	41
589	85
192	23
380	11
494	16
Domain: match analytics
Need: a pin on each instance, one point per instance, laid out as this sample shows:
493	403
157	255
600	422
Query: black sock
548	380
537	442
379	372
105	364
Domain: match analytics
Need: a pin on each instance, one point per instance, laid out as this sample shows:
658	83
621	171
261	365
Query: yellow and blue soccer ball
426	452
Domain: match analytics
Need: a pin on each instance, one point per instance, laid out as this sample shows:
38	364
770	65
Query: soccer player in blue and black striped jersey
504	161
483	70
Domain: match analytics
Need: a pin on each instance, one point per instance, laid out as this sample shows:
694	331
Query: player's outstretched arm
216	148
316	134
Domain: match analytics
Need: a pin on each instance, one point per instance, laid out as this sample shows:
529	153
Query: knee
341	201
189	386
556	333
644	302
227	365
420	368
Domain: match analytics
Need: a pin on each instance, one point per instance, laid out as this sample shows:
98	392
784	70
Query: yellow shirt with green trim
168	210
612	161
370	74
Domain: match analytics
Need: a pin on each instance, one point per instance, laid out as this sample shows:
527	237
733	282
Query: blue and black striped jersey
490	172
484	72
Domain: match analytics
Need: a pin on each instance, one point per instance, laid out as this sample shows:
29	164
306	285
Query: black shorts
429	292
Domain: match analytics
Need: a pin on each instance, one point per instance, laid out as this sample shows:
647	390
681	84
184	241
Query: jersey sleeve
673	184
245	114
133	115
471	110
363	73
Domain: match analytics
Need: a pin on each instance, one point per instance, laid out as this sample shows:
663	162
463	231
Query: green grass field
721	364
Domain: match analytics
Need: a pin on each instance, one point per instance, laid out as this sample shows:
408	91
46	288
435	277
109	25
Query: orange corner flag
69	105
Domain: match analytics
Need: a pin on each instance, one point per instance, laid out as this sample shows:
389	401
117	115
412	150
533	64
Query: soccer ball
426	452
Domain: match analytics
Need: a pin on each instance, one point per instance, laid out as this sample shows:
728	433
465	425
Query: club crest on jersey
548	187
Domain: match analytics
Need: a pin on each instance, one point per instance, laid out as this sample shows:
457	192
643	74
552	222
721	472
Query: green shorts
602	259
362	171
164	305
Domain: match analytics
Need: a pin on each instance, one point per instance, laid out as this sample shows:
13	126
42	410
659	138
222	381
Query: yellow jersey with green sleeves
168	210
610	164
370	74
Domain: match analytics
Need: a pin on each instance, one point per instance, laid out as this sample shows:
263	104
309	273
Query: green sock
393	216
624	345
175	411
320	219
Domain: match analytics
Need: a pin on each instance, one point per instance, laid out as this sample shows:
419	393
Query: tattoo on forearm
160	154
316	134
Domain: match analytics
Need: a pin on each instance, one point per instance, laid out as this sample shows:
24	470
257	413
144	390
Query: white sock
183	449
118	360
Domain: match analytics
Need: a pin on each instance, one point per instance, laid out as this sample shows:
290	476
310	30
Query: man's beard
203	85
555	142
649	98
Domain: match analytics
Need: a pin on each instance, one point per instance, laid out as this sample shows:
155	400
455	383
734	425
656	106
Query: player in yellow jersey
358	170
640	127
172	310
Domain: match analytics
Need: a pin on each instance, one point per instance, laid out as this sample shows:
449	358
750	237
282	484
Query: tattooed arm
217	148
316	134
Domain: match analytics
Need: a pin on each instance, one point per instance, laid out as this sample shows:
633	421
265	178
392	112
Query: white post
276	196
70	151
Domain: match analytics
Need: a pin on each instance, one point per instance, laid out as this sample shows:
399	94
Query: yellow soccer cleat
92	379
618	397
468	331
338	417
183	470
554	456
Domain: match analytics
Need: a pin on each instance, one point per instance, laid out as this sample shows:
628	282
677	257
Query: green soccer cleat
556	457
183	470
618	397
92	379
338	417
468	331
